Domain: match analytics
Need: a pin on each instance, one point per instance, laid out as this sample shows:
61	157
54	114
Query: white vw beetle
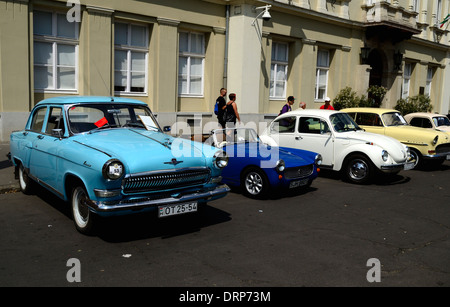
343	145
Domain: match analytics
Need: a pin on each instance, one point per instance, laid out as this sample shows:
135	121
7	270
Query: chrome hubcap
358	169
81	209
253	183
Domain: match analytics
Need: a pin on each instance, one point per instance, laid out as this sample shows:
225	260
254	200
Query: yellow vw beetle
425	144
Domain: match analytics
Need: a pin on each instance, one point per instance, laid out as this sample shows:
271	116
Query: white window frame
320	69
407	72
189	55
430	73
275	64
56	40
129	49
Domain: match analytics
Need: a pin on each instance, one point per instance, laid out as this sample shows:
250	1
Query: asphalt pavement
7	178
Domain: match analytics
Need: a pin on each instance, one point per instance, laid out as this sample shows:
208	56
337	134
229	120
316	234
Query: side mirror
57	133
167	129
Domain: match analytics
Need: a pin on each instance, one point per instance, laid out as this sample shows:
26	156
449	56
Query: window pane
322	77
184	39
280	52
66	78
120	34
137	61
65	28
196	85
66	55
182	84
43	77
42	23
38	120
183	65
120	60
138	36
137	82
322	58
281	72
120	81
43	53
279	89
196	67
197	43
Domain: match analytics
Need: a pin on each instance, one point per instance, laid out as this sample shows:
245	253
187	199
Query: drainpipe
225	61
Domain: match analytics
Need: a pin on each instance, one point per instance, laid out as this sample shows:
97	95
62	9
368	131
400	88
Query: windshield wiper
107	125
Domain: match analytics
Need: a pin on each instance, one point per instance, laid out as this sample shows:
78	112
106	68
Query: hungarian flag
445	20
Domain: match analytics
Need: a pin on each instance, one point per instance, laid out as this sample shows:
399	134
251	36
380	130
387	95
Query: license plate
169	210
298	183
408	166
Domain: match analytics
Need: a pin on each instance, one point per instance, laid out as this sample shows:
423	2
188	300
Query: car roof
369	110
88	99
424	114
299	112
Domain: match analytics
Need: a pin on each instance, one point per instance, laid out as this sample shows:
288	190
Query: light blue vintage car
108	156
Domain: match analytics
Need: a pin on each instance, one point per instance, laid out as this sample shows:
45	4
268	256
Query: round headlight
113	169
220	159
435	140
280	165
384	155
318	160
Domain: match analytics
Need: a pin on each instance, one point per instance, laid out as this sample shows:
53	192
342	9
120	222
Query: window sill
137	94
74	92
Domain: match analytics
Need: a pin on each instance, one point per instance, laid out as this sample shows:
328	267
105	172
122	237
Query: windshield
92	117
342	122
235	136
441	121
393	119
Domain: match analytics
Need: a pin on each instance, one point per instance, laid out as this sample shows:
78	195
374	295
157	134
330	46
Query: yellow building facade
176	55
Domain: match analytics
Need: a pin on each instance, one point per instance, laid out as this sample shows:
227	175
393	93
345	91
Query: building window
55	52
191	63
278	70
406	80
323	66
438	12
130	58
430	73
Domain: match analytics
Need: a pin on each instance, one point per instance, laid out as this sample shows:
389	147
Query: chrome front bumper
144	203
394	168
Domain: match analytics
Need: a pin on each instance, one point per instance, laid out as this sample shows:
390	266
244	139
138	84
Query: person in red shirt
327	105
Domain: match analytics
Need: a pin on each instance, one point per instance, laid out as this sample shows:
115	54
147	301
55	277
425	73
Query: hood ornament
173	162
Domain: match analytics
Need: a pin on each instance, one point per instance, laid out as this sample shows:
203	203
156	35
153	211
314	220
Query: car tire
415	155
82	216
358	169
254	183
25	182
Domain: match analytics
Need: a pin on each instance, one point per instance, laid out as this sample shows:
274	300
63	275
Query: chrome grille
165	180
299	172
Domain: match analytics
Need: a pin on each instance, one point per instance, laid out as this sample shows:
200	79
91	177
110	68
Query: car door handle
40	136
298	138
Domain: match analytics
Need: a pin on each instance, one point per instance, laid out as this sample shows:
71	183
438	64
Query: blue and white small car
108	156
259	169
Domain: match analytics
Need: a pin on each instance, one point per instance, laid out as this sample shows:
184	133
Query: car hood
395	149
270	154
142	150
417	135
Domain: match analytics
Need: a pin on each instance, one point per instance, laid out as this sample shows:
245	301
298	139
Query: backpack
216	108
